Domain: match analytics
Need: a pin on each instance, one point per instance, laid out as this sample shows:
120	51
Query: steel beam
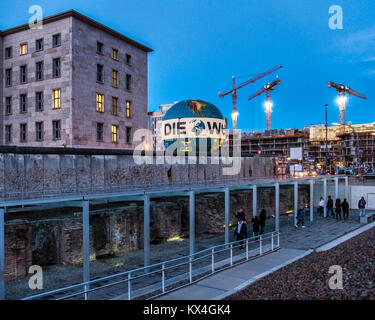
311	200
146	229
347	189
191	222
2	254
255	200
295	201
277	207
325	196
86	244
227	210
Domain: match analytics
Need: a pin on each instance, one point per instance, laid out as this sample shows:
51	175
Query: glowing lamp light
341	99
268	106
234	115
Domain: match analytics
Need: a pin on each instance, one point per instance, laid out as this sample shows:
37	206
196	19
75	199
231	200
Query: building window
128	112
114	78
23	74
56	98
39	45
23	132
8	77
23	103
99	73
39	131
99	47
23	49
56	129
114	133
115	54
128	82
99	131
8	105
100	102
128	134
56	40
56	68
128	59
8	133
39	71
39	101
8	53
114	105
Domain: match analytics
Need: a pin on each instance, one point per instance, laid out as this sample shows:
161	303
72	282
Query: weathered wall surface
34	174
119	229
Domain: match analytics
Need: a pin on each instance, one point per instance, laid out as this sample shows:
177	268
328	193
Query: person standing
300	216
338	209
330	207
262	220
362	207
321	206
345	209
255	222
241	231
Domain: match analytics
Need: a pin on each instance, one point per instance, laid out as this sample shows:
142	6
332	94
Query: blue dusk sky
199	44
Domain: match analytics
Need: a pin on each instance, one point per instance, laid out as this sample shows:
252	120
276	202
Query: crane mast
234	89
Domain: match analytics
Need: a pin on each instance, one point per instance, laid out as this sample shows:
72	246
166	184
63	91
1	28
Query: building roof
77	15
193	109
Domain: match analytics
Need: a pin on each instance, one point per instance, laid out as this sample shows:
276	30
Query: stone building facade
73	83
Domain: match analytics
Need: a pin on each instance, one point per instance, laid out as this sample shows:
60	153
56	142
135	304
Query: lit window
128	112
23	49
114	105
114	78
114	133
115	54
56	98
100	102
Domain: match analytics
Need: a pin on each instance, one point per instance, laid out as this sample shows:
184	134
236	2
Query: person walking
262	220
345	209
338	209
255	222
300	216
241	231
321	206
362	207
330	207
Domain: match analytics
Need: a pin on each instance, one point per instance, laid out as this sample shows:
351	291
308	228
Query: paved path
229	281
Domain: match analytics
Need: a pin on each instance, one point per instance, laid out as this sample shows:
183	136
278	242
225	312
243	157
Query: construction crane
268	103
233	91
341	99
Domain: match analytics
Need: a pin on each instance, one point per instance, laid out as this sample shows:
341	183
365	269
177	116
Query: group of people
335	210
259	224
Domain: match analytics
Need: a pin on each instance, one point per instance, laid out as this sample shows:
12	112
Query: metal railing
169	275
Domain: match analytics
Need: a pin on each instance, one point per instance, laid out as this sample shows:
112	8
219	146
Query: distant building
74	83
155	119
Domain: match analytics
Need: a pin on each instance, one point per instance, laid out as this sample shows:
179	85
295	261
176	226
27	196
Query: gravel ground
307	279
